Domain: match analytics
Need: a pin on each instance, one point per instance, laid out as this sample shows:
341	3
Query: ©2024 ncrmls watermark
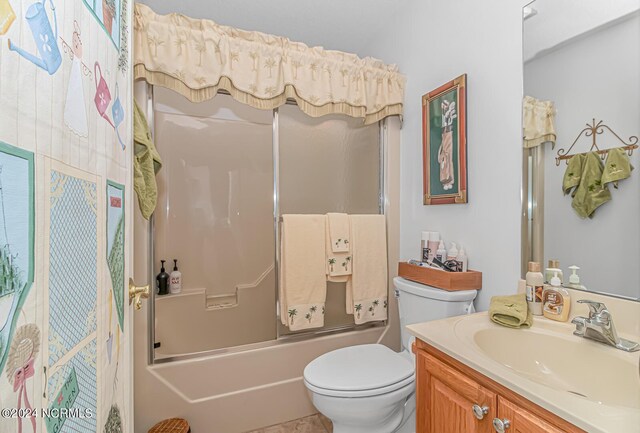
63	412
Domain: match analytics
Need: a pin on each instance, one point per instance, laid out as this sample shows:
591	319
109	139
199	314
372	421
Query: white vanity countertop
455	336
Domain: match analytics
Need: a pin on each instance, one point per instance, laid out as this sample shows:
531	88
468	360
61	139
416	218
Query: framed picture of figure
444	143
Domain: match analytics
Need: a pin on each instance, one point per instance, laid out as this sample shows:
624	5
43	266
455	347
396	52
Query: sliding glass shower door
328	164
229	172
215	216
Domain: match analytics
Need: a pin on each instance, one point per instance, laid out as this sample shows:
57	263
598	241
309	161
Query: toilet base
366	416
408	424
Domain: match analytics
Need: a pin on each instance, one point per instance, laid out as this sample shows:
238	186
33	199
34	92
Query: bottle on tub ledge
175	279
162	281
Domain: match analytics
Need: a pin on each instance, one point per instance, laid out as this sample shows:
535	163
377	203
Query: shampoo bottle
556	301
175	279
162	281
535	287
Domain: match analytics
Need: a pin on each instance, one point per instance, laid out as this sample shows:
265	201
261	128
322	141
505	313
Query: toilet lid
359	368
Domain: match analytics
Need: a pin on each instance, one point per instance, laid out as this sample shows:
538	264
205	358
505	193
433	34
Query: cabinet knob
501	425
479	411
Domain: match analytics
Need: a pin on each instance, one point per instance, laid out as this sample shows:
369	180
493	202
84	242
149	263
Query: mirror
16	239
584	57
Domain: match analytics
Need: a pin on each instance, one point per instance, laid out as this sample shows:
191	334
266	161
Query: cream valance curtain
538	121
197	58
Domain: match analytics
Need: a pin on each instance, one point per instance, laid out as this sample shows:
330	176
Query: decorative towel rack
592	130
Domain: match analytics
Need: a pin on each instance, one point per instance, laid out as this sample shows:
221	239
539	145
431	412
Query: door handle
137	293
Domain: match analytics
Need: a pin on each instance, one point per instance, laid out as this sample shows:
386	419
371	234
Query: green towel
573	174
591	193
617	167
146	163
511	311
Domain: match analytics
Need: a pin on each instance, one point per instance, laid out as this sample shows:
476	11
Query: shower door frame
279	339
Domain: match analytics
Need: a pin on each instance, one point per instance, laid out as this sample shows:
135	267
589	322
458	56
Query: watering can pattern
46	39
102	100
103	95
7	16
117	112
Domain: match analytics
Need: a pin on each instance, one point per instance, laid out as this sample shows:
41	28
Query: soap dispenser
162	281
574	278
175	279
556	301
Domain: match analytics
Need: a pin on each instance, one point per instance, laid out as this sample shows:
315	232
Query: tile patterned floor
311	424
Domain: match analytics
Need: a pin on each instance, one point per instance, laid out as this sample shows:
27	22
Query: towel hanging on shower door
303	284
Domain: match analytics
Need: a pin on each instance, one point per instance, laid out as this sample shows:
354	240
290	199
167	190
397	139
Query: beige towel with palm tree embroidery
367	287
338	259
303	284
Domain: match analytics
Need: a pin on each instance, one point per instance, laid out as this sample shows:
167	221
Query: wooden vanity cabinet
521	420
454	398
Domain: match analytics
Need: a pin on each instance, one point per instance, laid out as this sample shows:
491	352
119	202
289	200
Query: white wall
433	42
584	86
557	22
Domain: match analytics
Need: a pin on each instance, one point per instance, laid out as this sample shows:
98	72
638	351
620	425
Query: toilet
370	388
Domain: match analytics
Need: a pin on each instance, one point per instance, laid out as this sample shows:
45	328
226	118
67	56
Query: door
520	420
449	402
65	217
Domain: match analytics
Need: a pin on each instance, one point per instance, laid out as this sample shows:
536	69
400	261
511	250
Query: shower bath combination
221	198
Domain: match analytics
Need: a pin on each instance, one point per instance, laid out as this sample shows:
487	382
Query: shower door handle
137	293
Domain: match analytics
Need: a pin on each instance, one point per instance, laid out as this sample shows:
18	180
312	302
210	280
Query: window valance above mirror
538	120
196	58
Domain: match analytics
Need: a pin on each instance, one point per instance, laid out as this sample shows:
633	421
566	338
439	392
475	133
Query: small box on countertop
470	280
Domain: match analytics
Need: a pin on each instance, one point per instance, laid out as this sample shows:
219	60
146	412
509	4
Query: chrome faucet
599	327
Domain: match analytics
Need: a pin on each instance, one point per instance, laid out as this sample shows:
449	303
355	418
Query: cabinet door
521	420
446	400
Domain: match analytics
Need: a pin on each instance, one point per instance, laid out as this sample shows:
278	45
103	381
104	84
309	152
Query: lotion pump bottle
175	280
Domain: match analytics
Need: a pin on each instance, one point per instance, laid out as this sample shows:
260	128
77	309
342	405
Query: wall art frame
444	143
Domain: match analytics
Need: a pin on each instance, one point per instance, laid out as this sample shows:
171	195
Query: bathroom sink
589	384
564	363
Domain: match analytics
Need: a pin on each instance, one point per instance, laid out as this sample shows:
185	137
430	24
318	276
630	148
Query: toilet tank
419	303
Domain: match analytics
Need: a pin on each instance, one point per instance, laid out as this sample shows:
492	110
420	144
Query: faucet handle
595	308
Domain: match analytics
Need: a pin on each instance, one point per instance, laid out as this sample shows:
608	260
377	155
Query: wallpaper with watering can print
65	183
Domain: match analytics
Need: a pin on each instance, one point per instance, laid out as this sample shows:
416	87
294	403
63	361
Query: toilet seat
359	371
